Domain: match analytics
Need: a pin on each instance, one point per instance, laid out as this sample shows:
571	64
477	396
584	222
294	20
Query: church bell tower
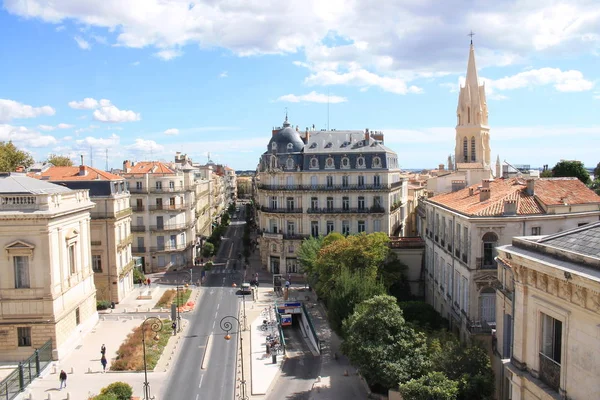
472	130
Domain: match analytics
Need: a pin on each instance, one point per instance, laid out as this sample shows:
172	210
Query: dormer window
290	146
273	146
314	162
313	145
329	163
289	164
360	162
376	162
328	145
345	162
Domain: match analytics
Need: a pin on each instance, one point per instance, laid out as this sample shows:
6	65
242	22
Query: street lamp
155	326
227	326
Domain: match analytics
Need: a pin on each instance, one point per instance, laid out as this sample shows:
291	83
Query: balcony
311	188
138	208
480	263
168	207
171	227
550	372
281	210
138	228
138	250
174	189
272	235
168	247
365	210
111	214
295	236
479	327
136	190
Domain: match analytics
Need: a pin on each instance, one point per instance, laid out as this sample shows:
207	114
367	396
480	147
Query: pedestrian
103	349
63	379
287	284
103	362
148	281
174	326
290	278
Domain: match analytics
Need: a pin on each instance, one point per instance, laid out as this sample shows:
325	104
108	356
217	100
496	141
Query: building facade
46	277
163	200
321	182
548	311
110	235
463	228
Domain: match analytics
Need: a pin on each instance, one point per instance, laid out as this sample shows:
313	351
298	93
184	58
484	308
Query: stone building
463	229
317	182
163	200
110	234
46	277
548	316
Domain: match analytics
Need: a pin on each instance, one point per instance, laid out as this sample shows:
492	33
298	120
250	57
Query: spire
286	122
471	78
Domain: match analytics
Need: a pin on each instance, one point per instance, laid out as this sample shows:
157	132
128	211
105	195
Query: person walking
148	281
174	326
63	379
103	350
103	362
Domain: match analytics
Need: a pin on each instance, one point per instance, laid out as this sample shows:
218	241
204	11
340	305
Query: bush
208	249
108	396
120	390
138	276
208	265
433	386
102	304
423	315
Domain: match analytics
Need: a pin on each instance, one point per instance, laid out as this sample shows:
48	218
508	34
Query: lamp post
227	326
178	308
155	326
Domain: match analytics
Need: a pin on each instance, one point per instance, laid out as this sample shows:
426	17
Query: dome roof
287	135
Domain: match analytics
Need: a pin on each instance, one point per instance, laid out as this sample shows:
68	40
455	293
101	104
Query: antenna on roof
106	151
327	109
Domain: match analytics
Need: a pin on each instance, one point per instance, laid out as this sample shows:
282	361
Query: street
217	381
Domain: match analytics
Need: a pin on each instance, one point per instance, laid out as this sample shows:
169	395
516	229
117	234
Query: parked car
246	289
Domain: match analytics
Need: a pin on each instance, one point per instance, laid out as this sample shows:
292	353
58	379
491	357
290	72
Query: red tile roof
547	191
148	167
73	174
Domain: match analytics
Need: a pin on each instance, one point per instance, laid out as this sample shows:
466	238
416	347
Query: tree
597	171
433	386
423	315
11	157
547	173
352	288
573	169
59	161
382	345
120	390
208	249
307	255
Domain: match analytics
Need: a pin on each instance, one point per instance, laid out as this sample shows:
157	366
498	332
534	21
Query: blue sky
142	79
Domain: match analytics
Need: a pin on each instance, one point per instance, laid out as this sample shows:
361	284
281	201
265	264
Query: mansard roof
15	183
348	141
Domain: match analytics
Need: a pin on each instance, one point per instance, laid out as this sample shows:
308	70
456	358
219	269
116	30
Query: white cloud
65	126
26	137
104	143
67	138
135	63
60	28
105	111
144	146
171	131
82	43
10	109
562	81
100	39
86	104
223	74
312	97
597	95
46	128
168	54
363	79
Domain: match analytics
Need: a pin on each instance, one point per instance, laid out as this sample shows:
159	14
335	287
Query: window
465	295
473	149
314	202
290	146
376	162
345	181
361	226
24	336
314	163
290	203
330	203
273	146
345	162
21	264
360	162
289	164
289	181
377	201
314	181
72	259
138	185
468	115
77	316
458	239
489	249
449	286
376	181
291	248
345	227
377	225
158	185
329	227
488	305
171	185
345	203
361	202
465	150
273	225
273	202
550	351
361	180
96	263
536	231
330	181
329	163
291	228
314	228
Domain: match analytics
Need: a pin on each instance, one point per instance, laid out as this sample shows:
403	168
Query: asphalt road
187	381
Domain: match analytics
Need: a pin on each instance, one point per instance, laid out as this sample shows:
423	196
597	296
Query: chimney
82	170
530	187
81	159
484	194
126	166
470	191
297	128
441	167
486	183
510	207
307	135
274	131
367	134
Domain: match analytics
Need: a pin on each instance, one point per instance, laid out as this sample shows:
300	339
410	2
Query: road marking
207	350
216	314
198	395
218	306
202	377
214	322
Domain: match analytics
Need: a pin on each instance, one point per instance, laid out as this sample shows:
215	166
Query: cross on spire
471	34
286	116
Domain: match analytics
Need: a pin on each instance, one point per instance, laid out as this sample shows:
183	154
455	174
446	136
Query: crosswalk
221	271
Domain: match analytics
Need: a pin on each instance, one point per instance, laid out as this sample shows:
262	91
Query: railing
171	227
138	228
177	188
326	187
479	327
271	235
295	236
312	327
138	249
110	215
281	210
138	208
366	210
133	190
395	206
550	372
168	207
479	262
169	247
15	383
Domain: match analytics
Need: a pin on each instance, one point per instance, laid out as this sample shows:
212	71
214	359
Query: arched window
314	163
473	149
289	164
490	241
465	150
345	162
273	146
290	146
376	162
360	162
329	163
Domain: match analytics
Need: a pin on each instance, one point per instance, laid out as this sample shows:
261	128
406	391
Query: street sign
286	319
292	304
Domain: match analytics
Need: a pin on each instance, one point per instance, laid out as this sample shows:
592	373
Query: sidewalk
83	366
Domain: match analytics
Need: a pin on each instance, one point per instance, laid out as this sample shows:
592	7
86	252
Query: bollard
89	370
274	358
49	396
53	369
319	378
68	396
71	370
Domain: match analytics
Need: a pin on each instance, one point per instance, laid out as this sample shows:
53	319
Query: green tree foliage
573	169
393	275
352	287
59	161
433	386
208	249
138	276
597	171
469	366
382	345
11	157
423	315
225	219
307	255
120	390
546	173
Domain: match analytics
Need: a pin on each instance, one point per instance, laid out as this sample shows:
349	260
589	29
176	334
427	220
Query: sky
142	79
